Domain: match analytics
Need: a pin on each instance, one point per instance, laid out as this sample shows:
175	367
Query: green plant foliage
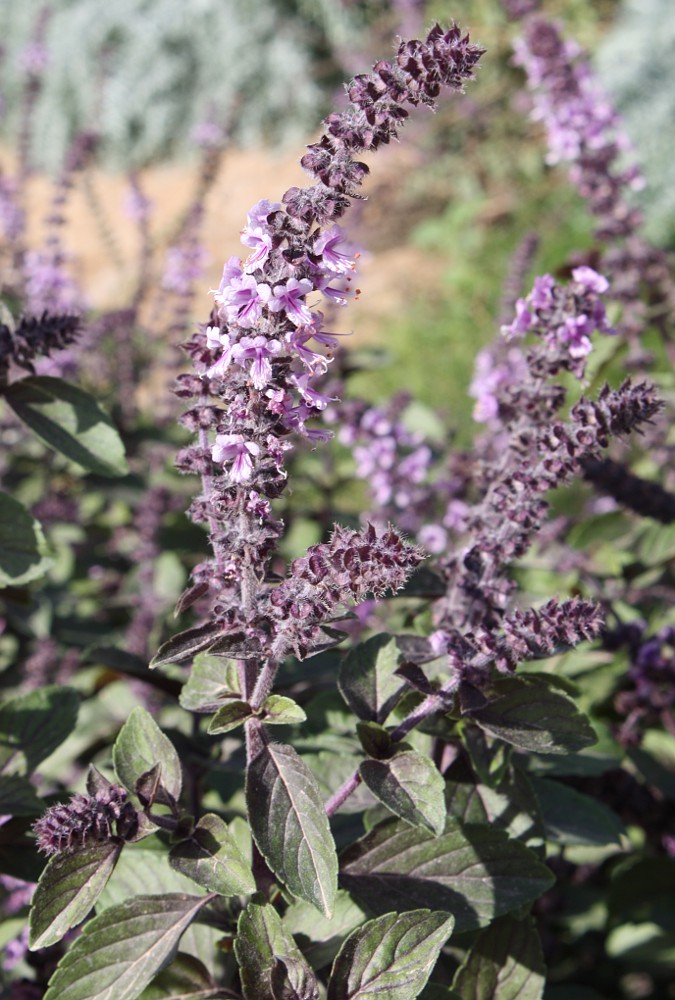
290	826
23	551
69	420
119	952
406	946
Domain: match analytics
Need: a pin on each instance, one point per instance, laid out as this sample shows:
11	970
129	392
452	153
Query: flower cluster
258	357
34	337
531	634
332	576
648	697
501	527
87	819
584	130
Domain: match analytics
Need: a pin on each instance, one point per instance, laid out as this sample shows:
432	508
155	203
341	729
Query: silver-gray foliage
145	72
637	67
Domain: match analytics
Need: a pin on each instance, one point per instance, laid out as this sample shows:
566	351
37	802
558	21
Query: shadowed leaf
528	713
410	785
504	963
23	550
33	725
270	963
212	859
367	679
474	872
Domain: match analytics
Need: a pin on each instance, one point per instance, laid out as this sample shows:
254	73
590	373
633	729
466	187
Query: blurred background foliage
471	182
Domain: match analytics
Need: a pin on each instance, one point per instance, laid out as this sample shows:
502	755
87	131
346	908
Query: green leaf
145	870
281	711
367	680
33	725
290	826
120	950
185	979
572	818
270	962
644	946
410	785
212	680
141	745
505	962
71	421
68	888
474	872
528	713
187	644
229	717
23	550
212	858
511	805
320	937
18	797
391	956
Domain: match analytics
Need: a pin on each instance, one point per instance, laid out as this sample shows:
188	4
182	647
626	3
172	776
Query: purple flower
237	450
590	280
290	299
259	350
244	299
326	247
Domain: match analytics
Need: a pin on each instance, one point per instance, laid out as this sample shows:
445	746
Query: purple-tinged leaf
141	745
185	645
23	550
229	717
528	713
212	859
185	979
33	725
505	962
367	678
575	819
120	951
391	956
270	963
319	937
281	711
68	888
236	645
510	805
410	785
211	683
474	872
189	596
71	421
290	826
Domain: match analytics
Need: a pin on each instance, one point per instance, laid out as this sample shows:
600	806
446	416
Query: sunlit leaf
68	419
212	858
120	951
68	888
505	962
473	872
271	965
391	956
290	826
141	745
410	785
